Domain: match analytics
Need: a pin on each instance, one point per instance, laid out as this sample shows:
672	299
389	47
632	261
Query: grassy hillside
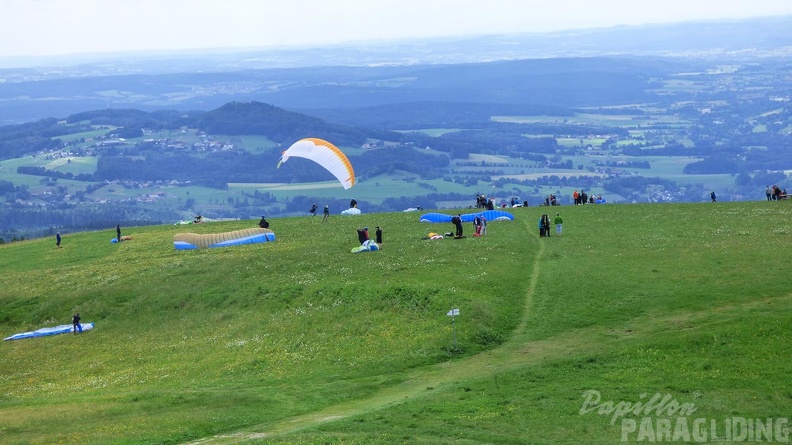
300	341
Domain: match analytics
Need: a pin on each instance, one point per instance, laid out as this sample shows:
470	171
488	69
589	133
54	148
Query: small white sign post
453	313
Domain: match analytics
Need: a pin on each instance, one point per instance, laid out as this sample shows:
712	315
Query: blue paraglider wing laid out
490	215
190	241
45	332
495	215
436	218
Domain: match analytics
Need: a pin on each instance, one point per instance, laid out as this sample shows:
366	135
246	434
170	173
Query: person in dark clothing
118	233
313	210
57	239
264	224
353	204
326	213
544	226
712	196
363	235
379	237
76	323
457	222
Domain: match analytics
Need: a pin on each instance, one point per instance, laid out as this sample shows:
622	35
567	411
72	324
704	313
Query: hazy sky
49	27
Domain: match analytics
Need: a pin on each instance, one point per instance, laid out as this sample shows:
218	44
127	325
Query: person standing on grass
544	225
57	240
558	223
712	196
313	210
77	327
326	213
457	222
118	233
379	237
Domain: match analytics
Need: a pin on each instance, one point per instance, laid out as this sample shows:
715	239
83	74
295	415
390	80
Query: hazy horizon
45	28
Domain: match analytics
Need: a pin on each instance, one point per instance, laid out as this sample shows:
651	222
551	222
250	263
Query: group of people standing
775	193
580	198
483	203
544	225
363	236
479	225
551	200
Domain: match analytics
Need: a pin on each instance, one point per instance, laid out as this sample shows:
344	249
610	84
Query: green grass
74	165
611	120
300	341
87	135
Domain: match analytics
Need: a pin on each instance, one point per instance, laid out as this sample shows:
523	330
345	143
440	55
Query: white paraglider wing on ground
325	154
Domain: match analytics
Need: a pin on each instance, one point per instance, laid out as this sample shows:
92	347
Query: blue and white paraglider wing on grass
46	332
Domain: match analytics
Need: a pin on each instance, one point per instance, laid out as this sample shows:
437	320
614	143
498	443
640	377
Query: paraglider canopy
325	154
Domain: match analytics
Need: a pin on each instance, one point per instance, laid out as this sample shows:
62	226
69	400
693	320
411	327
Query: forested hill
277	124
233	119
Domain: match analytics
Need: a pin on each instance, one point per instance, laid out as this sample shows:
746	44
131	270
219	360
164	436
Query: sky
60	27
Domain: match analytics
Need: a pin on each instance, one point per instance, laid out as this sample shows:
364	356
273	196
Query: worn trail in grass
522	349
517	351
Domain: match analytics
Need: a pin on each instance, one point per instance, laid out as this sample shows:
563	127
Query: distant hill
233	119
279	125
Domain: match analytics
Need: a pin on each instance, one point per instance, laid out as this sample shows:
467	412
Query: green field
611	120
300	342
